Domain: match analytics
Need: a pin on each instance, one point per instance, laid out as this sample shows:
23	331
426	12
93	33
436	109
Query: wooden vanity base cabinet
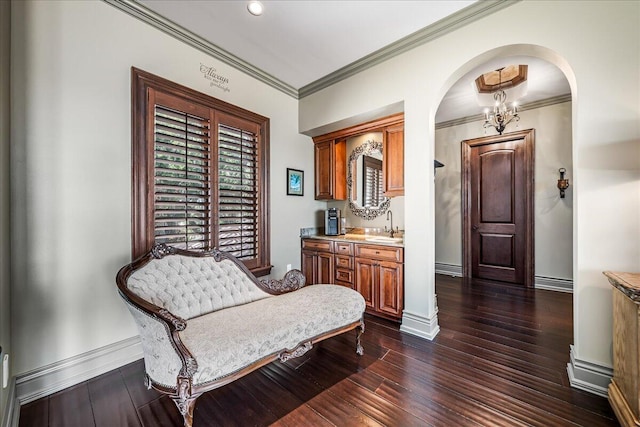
379	277
624	390
317	261
376	271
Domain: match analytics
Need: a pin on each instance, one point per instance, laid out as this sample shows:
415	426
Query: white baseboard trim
420	326
52	378
11	416
452	270
588	376
554	284
541	282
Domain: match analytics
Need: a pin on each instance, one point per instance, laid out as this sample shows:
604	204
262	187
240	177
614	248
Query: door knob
474	228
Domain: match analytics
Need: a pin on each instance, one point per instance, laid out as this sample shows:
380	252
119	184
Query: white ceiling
299	42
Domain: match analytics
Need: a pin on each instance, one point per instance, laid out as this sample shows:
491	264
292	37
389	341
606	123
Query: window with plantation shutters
182	180
372	178
199	173
238	203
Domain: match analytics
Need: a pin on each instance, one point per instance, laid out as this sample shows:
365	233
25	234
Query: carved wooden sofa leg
185	401
359	332
187	407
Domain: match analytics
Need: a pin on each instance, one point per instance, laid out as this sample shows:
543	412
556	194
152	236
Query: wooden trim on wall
144	85
377	125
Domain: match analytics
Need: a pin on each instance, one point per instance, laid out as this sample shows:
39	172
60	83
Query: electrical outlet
5	371
288	267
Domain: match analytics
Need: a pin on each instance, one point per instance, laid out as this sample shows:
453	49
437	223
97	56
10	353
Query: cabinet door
390	279
393	163
324	171
308	264
324	268
365	281
340	170
330	172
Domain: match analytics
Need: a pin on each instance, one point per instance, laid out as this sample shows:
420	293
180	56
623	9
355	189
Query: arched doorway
546	107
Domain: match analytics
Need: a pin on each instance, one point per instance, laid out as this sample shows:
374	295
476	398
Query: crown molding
450	23
169	27
524	107
444	26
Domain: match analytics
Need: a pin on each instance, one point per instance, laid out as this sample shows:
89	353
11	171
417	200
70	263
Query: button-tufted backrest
192	286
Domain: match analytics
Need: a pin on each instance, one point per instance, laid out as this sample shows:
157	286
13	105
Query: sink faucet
390	215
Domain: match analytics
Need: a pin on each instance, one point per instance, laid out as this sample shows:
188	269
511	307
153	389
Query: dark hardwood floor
499	360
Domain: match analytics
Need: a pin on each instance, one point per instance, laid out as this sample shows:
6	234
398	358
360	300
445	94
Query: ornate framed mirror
364	181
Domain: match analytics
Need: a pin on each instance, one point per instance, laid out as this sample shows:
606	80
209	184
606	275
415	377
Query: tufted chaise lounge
205	320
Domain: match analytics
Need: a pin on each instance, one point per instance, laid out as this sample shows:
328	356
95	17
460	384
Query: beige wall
553	216
586	40
70	161
5	191
71	168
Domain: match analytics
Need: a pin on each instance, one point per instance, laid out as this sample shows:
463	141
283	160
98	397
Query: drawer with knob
387	253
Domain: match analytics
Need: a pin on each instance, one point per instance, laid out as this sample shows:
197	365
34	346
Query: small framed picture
295	182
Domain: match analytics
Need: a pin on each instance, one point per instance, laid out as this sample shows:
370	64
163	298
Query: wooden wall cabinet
331	158
393	160
624	390
330	170
317	261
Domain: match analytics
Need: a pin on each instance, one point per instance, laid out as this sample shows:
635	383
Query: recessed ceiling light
255	8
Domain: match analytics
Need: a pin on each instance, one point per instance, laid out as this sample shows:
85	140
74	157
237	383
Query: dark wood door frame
529	173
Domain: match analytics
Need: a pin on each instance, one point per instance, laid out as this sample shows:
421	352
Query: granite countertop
628	283
361	238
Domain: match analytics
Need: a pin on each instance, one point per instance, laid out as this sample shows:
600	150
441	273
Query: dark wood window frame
142	152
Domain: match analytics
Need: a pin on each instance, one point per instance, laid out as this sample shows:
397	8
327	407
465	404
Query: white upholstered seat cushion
228	340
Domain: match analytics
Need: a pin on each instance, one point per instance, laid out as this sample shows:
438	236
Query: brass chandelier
501	115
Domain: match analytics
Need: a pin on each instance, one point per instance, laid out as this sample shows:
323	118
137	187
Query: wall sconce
563	183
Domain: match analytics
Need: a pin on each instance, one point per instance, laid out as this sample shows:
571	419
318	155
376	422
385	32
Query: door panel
496	201
309	266
498	208
495	186
325	268
390	277
497	250
324	170
365	281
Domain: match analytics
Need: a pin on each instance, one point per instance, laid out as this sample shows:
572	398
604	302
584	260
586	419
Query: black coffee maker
332	222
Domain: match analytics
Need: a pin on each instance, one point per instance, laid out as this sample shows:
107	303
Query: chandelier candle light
501	115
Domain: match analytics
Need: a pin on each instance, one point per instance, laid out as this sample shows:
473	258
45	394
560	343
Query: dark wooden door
498	208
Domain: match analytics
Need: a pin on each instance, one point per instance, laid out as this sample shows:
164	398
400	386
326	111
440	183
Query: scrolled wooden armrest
292	281
178	323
